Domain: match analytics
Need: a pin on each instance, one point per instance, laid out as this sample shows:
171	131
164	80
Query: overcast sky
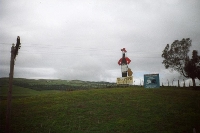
82	39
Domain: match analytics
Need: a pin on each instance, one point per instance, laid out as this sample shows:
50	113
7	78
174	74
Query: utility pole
14	52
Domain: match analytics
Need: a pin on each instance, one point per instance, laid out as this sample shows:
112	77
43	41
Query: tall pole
9	97
14	52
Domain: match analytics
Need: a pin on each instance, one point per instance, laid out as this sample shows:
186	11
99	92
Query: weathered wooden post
14	52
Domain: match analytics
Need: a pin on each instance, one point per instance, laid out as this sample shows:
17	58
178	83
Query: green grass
123	110
21	92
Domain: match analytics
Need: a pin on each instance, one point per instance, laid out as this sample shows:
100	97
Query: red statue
124	61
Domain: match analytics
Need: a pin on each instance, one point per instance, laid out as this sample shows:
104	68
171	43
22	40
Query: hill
55	84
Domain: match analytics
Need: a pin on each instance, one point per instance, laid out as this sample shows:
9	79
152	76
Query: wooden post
168	82
9	97
14	52
178	84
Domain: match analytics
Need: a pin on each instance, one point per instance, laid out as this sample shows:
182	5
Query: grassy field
123	110
19	92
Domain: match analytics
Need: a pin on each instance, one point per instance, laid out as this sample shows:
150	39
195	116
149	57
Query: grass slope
137	110
21	92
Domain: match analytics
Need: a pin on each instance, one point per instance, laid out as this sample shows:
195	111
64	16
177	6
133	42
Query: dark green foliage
176	57
192	66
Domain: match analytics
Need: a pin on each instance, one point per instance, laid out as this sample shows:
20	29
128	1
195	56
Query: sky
82	39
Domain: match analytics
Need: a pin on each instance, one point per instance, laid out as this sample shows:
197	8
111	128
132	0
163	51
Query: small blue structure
151	81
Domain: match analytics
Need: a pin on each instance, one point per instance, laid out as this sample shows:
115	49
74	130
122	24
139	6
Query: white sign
125	80
124	67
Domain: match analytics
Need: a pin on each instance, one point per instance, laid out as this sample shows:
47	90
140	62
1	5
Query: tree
176	57
192	66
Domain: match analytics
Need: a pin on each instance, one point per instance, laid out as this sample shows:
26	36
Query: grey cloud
82	39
